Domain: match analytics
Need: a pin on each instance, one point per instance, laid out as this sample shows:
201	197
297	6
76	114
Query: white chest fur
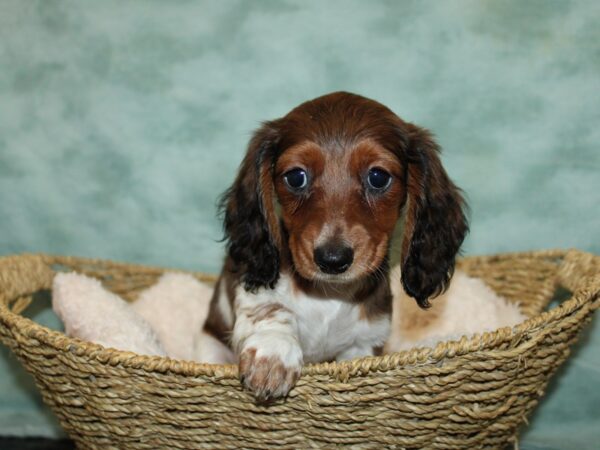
328	328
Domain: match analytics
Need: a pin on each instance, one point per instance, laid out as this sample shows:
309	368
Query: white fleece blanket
167	318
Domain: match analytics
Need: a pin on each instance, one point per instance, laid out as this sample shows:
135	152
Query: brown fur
216	324
378	351
265	312
337	200
375	300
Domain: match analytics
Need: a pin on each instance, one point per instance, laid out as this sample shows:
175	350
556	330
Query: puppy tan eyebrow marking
306	155
370	154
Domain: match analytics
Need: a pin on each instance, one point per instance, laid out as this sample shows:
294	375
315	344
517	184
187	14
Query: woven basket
472	393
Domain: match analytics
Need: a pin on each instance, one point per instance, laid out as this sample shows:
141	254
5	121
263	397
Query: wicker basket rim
585	296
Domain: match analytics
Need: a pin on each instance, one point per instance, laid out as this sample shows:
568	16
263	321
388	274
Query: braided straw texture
472	393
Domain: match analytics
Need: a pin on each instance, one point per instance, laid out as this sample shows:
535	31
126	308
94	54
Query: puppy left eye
378	179
296	179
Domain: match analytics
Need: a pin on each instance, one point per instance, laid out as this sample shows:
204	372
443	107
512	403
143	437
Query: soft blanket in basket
167	318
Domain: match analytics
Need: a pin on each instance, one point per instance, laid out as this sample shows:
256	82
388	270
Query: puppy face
327	184
339	205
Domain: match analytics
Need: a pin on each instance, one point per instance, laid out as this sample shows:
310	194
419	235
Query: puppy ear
250	222
435	221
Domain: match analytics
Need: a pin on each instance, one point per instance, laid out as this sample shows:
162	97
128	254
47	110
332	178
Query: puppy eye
379	179
296	179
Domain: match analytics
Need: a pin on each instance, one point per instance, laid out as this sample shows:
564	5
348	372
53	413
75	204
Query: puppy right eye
378	180
296	179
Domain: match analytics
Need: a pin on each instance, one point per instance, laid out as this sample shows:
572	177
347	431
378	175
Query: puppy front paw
270	366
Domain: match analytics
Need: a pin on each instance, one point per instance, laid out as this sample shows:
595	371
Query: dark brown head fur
336	140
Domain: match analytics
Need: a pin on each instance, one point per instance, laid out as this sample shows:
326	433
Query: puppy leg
265	338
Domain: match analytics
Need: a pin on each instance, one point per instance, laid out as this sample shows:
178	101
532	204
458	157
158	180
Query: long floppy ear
435	221
250	222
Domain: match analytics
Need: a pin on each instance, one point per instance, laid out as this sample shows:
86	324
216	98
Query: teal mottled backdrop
121	122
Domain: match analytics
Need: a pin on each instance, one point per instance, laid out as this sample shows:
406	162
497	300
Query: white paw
270	364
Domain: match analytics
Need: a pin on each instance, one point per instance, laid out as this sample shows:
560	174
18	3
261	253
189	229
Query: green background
121	123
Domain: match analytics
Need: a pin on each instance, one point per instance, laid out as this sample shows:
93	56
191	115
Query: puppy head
329	181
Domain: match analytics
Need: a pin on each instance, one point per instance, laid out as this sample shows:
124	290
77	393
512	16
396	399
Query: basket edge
357	367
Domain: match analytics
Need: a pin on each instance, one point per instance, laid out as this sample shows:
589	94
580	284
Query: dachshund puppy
309	222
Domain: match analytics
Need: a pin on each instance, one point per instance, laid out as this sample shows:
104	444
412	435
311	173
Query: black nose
333	258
